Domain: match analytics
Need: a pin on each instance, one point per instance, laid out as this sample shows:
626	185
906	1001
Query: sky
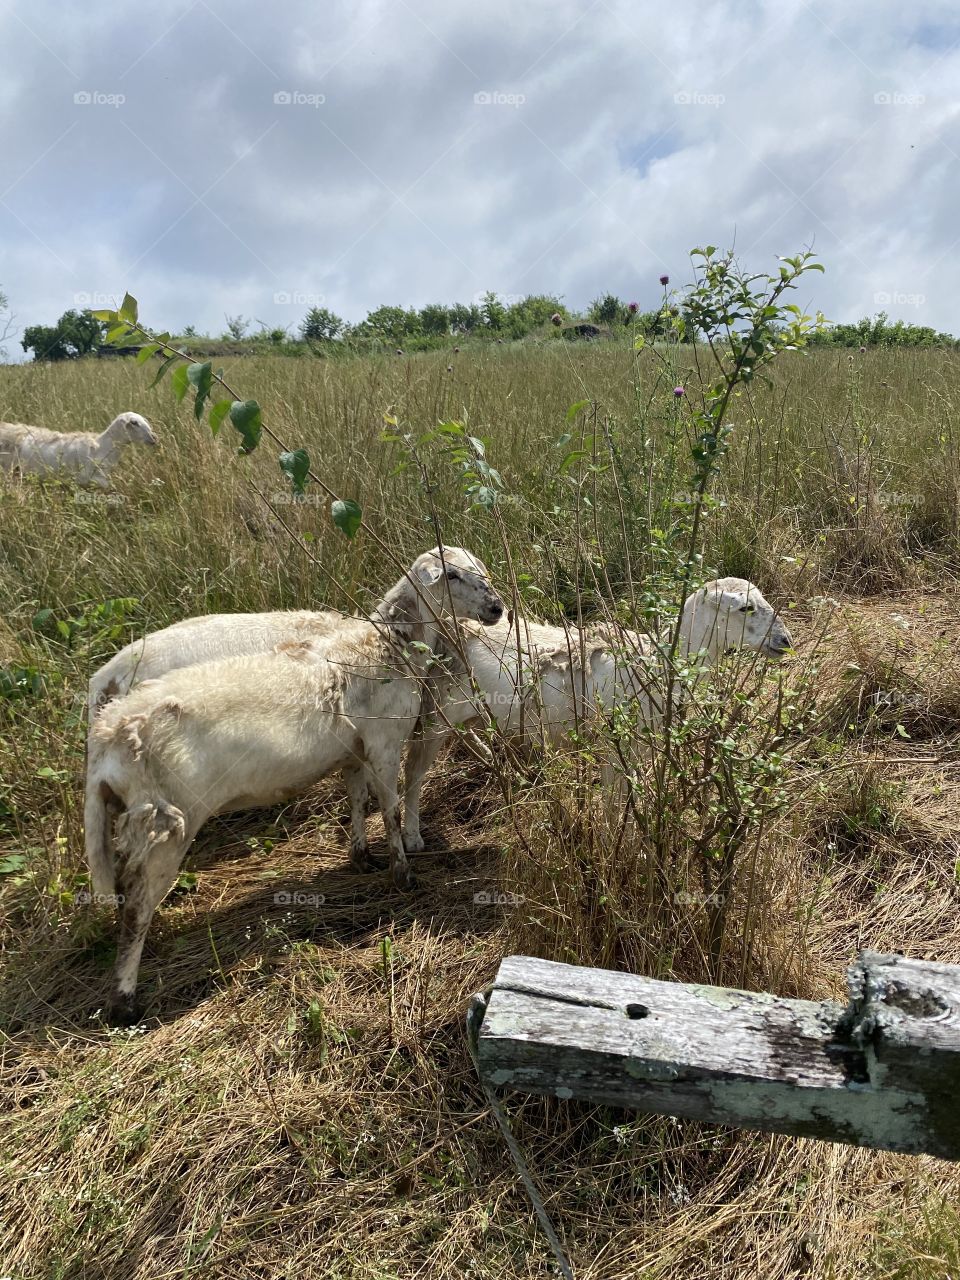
218	159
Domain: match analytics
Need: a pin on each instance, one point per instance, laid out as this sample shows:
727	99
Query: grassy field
298	1101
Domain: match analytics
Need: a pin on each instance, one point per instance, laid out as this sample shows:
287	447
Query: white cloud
383	179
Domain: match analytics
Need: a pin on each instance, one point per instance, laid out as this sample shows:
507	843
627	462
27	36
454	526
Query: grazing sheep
79	455
253	731
558	677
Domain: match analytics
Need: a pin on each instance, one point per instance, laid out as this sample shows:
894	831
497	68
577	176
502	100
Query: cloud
210	157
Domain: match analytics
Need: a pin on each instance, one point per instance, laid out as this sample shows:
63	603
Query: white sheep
203	639
80	455
558	677
250	732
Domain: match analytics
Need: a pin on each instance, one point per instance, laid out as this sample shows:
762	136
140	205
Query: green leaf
12	862
201	377
573	456
170	360
296	464
144	354
105	317
245	416
217	414
346	516
115	335
41	619
180	382
575	409
128	309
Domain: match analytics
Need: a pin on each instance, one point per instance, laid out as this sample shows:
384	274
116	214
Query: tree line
437	325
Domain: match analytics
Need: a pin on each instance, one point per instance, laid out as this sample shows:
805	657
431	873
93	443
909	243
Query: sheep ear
428	574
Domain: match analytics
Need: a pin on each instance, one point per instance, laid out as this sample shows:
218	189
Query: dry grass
299	1101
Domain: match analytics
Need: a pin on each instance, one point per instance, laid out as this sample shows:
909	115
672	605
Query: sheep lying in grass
557	678
253	731
78	455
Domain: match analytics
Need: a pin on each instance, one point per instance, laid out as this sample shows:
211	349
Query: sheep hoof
360	860
122	1010
414	844
403	878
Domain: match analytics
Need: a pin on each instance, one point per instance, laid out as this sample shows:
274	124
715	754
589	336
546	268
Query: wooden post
882	1071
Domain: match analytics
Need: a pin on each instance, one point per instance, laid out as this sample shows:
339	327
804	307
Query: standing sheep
80	455
203	639
250	732
559	677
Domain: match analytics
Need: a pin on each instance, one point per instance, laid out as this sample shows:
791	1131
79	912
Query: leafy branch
245	416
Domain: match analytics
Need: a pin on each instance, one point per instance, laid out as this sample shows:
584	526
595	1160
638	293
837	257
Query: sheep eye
747	608
454	575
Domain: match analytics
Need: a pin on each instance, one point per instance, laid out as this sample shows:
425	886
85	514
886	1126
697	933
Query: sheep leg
144	886
383	765
423	749
355	776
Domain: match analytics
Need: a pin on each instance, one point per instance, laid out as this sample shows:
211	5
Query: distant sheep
81	456
250	732
558	677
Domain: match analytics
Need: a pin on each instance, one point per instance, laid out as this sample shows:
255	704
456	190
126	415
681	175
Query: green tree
607	310
392	324
533	312
75	334
493	312
321	325
464	318
435	319
236	328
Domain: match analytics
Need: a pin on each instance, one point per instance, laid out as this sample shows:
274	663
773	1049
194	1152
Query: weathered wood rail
881	1071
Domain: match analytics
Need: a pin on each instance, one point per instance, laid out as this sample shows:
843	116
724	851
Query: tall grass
295	1107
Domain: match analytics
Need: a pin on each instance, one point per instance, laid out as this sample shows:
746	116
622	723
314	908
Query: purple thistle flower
664	280
678	392
633	307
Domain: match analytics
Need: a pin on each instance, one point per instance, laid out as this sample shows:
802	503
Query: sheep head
131	426
731	613
457	582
